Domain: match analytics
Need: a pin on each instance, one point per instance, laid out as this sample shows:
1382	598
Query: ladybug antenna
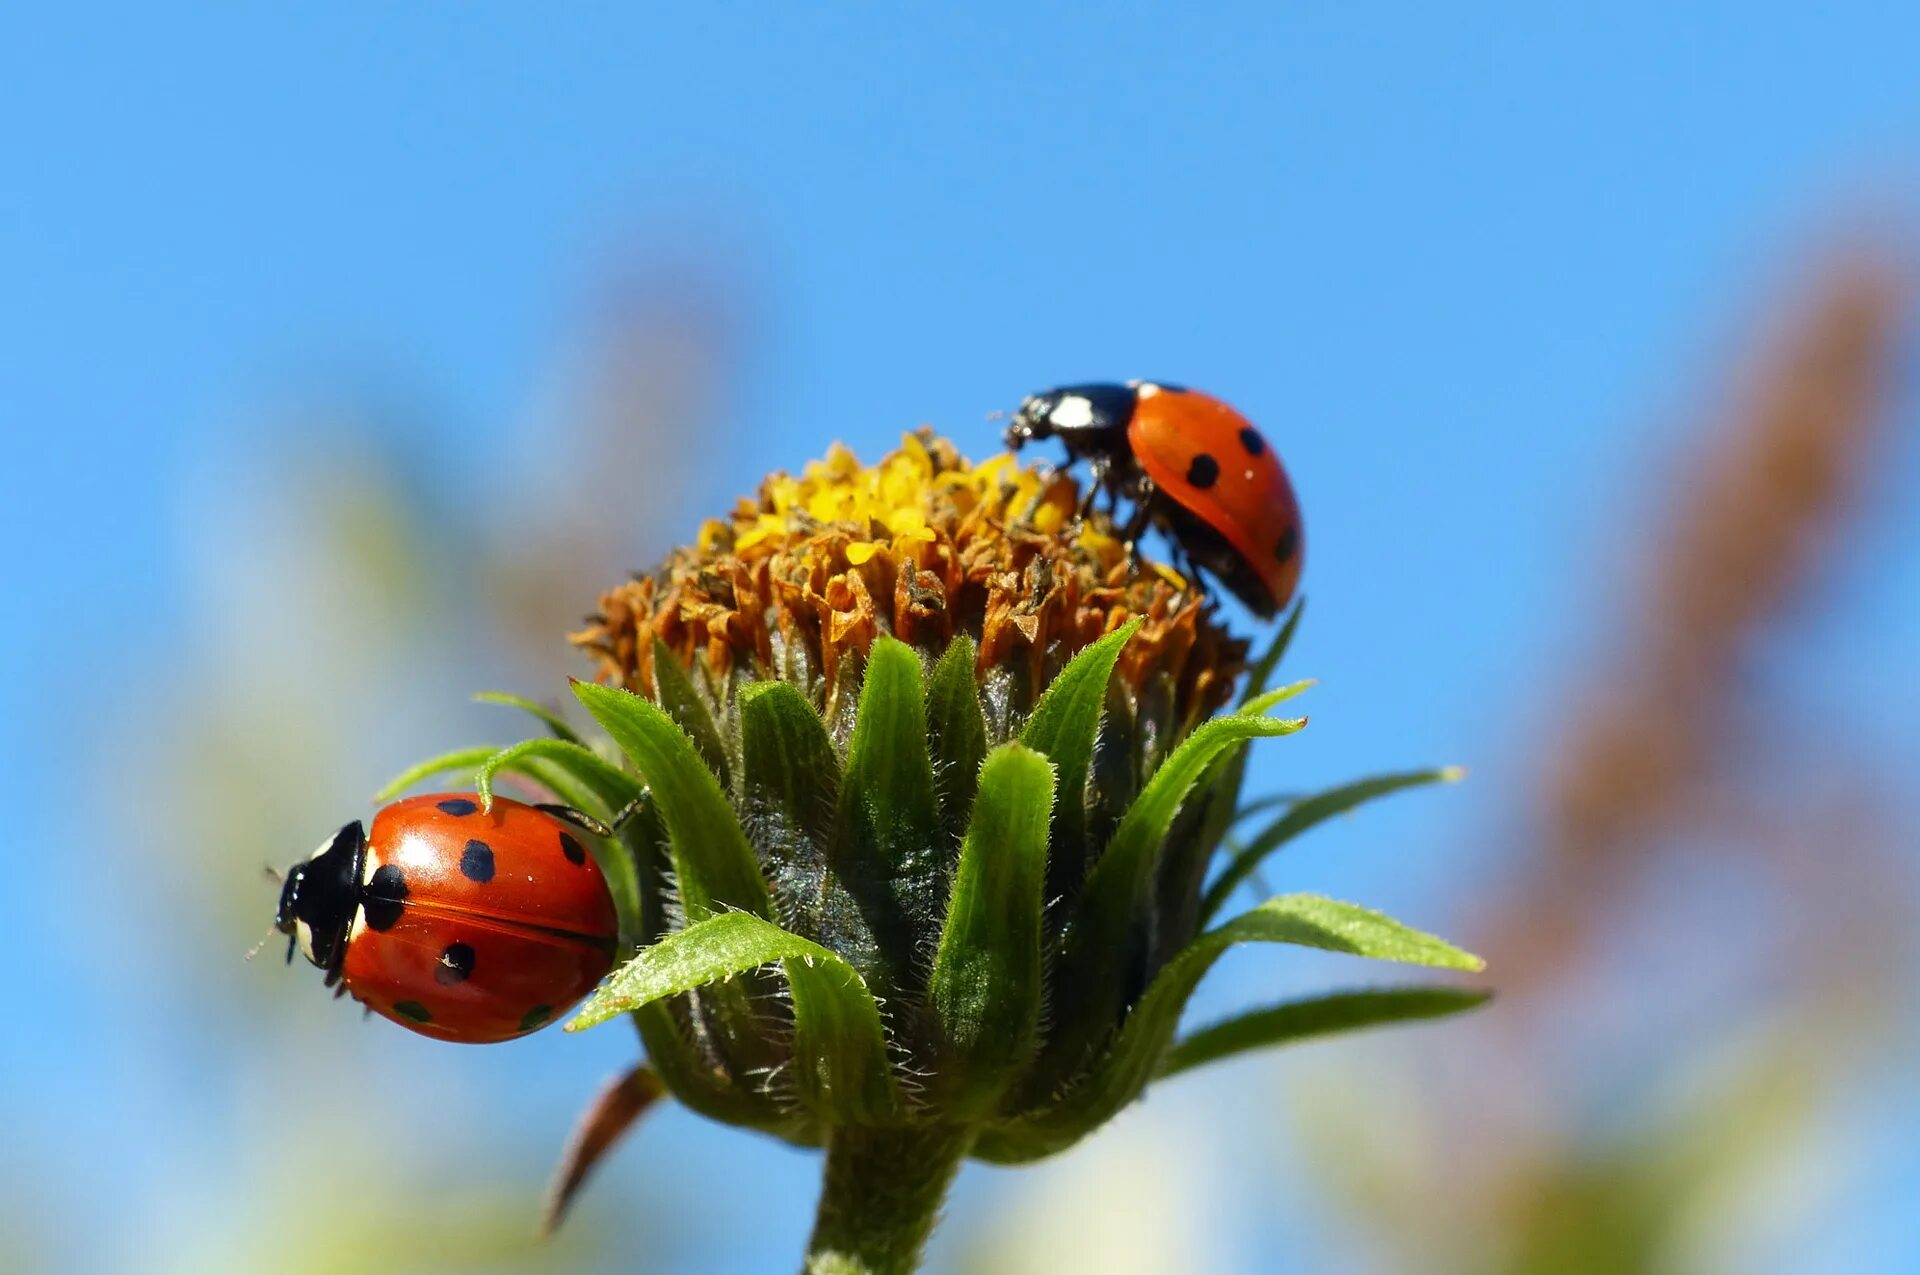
274	874
264	940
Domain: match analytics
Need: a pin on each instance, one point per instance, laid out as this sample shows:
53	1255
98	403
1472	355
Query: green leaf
713	865
987	987
1100	946
1319	1016
1309	920
887	842
839	1049
956	732
684	704
1305	814
462	761
554	722
1259	705
1262	672
611	786
1261	805
1063	727
1313	920
790	776
1193	839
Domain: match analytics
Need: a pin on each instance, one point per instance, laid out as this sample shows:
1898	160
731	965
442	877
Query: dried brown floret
797	582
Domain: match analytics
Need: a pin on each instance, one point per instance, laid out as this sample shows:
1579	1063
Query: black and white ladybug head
318	900
1086	415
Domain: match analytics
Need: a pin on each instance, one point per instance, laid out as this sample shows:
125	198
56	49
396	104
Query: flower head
798	581
918	795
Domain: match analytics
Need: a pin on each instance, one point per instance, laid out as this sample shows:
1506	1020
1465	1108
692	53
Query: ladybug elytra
1189	463
458	923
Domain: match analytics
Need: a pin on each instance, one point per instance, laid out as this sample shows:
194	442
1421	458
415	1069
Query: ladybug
1190	464
455	922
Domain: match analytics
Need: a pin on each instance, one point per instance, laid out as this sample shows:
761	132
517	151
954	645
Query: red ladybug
1188	462
458	923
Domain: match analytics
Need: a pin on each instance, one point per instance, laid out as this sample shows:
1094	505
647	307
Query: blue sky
1468	271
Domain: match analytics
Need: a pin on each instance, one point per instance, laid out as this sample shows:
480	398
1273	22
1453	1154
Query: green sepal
553	721
696	1082
1064	726
713	865
1295	1020
645	836
839	1050
583	779
841	1070
1309	920
1101	946
1194	837
1192	843
789	778
1114	775
956	732
986	989
675	692
461	761
886	846
612	788
1305	814
1259	705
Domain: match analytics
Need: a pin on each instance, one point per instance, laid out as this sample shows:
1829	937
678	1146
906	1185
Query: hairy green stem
881	1196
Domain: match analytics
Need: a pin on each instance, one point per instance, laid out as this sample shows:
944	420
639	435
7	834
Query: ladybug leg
578	818
1142	492
632	808
1099	479
1136	525
581	819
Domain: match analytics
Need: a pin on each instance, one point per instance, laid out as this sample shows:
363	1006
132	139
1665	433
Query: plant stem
881	1196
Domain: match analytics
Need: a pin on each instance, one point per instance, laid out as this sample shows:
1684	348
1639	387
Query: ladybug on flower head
461	923
1190	464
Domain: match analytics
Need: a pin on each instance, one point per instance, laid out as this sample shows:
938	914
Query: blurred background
346	355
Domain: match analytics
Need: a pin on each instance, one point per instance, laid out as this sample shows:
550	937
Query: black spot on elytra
385	897
575	852
457	806
456	963
1289	544
1204	471
1251	440
476	862
414	1010
535	1017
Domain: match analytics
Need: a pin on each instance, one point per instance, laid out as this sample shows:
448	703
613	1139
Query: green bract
929	936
